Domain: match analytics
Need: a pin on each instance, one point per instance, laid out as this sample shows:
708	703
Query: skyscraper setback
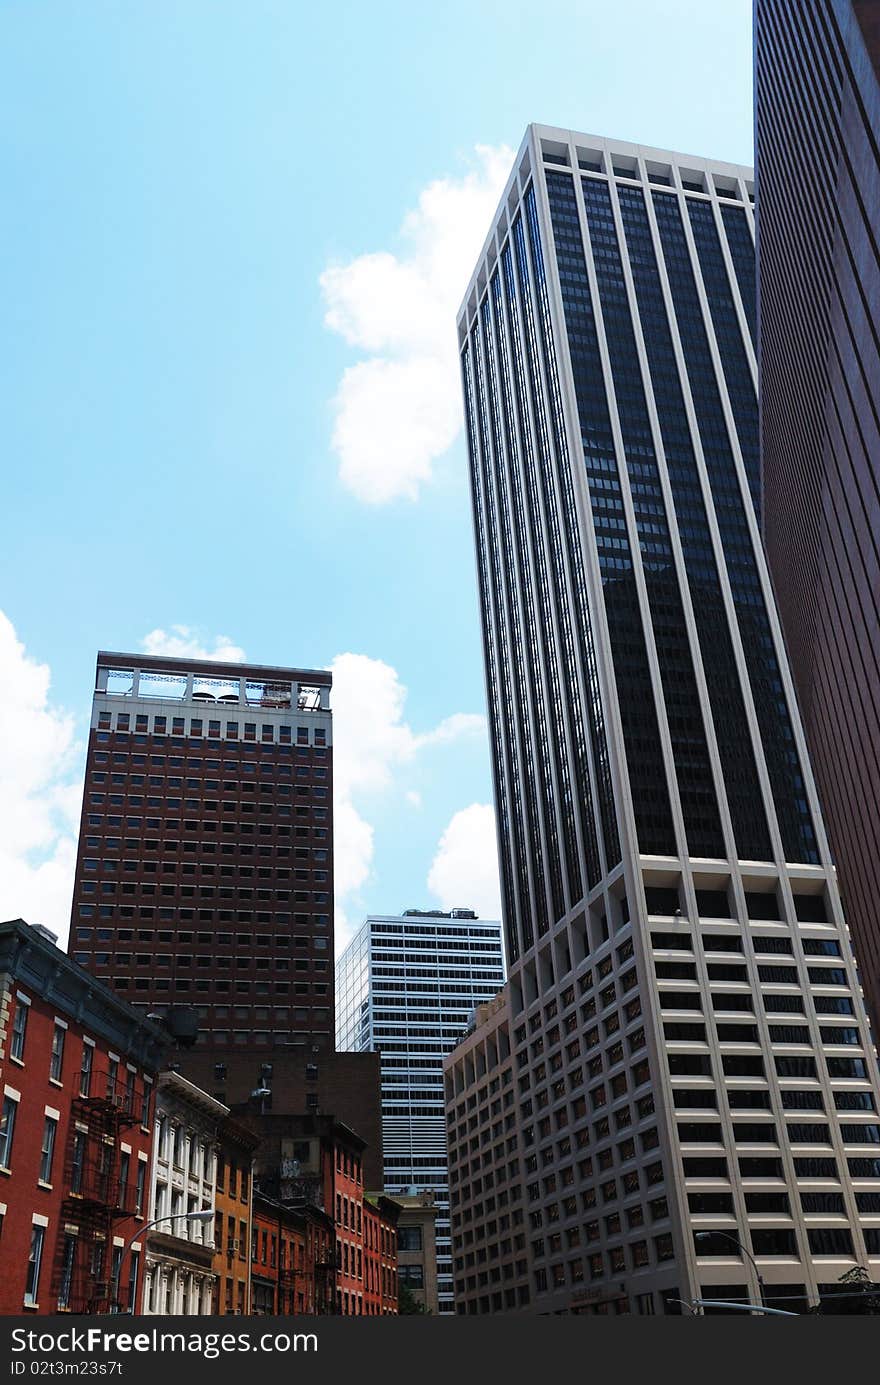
204	877
695	1080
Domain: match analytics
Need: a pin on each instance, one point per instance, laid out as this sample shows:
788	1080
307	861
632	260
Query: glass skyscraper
695	1077
406	987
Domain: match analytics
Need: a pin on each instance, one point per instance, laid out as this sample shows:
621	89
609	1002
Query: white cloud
41	787
40	792
371	741
464	872
400	409
454	728
413	798
182	642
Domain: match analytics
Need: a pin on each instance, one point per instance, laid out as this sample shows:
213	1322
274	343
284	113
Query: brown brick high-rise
205	869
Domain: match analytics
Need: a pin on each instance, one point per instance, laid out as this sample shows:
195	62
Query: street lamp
207	1214
729	1236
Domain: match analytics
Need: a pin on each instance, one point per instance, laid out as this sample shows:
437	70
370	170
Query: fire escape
94	1200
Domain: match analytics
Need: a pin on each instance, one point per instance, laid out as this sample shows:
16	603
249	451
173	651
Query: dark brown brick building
817	121
298	1082
205	869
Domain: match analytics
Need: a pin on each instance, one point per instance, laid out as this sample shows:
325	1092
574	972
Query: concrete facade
406	987
695	1079
485	1182
180	1273
416	1248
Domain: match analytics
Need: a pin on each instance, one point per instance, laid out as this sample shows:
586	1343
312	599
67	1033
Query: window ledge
19	1062
42	1184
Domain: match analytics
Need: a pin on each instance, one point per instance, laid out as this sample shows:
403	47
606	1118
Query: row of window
765	1167
71	1252
770	1241
134	767
114	823
121	1091
765	1132
211	728
139	846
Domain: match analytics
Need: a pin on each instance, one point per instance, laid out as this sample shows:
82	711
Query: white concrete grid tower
406	987
696	1079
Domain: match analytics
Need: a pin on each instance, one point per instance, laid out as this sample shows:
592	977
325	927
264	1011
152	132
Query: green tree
858	1294
407	1301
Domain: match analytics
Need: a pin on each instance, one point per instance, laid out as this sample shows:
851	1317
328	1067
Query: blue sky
192	189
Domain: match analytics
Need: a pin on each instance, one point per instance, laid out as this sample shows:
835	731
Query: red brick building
204	875
380	1255
316	1164
77	1069
290	1249
344	1177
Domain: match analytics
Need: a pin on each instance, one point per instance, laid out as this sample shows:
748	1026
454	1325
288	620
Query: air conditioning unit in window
233	1247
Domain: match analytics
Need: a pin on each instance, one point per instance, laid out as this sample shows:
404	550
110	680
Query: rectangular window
124	1172
35	1259
115	1272
139	1191
7	1131
78	1162
85	1070
56	1062
19	1027
67	1264
50	1128
134	1261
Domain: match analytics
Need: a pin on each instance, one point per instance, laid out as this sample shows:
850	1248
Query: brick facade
77	1069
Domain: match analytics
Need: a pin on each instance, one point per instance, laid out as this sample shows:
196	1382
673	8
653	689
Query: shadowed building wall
817	118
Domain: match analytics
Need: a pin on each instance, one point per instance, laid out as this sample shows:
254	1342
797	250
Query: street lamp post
207	1214
729	1236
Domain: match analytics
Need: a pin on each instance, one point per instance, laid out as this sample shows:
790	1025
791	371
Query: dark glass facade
638	713
741	783
817	122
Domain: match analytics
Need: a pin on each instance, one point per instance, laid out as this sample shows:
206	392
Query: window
828	1240
50	1128
139	1189
77	1162
67	1264
124	1171
19	1026
409	1238
774	1241
134	1261
56	1062
35	1259
115	1273
145	1104
85	1070
7	1131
